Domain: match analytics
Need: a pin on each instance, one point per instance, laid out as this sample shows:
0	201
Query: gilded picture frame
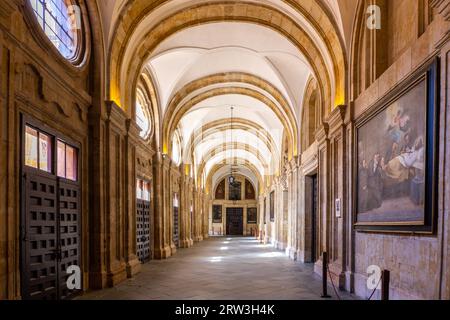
396	158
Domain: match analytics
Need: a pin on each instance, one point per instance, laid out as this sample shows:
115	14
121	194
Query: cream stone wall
75	101
417	263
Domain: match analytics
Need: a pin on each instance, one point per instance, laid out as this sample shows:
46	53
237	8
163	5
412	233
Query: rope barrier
332	282
373	292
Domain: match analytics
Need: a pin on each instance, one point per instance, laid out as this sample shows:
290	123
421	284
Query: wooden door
235	221
314	219
50	226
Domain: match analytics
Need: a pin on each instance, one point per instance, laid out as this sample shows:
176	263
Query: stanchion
386	275
325	294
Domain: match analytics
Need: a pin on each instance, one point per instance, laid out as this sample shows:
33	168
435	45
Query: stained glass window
67	161
59	19
45	152
38	150
61	154
31	147
71	163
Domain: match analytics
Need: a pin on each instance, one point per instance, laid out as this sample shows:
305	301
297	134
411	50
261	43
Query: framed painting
252	215
217	214
220	191
249	191
396	158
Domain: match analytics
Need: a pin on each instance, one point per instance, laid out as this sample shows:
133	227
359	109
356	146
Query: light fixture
231	178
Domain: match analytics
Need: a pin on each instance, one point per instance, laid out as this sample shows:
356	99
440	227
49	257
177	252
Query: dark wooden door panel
39	238
69	232
235	221
143	230
314	247
50	224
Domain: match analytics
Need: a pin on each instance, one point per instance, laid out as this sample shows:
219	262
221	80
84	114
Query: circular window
61	22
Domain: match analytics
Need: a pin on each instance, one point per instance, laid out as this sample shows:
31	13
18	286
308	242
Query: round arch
177	109
224	125
122	72
218	167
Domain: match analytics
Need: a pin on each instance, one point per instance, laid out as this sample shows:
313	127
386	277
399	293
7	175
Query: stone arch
147	83
230	146
169	127
172	115
248	166
223	125
226	11
310	114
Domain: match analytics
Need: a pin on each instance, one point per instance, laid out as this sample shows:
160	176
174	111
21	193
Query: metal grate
143	230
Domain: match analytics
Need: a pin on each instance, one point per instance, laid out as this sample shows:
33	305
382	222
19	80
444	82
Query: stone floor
221	269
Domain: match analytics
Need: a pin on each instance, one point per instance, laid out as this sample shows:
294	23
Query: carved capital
322	133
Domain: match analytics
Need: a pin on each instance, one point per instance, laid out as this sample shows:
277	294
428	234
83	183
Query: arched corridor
222	268
138	136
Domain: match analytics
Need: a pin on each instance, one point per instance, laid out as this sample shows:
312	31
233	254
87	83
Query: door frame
227	220
311	218
25	120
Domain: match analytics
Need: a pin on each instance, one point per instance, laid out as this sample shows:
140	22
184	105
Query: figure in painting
375	183
363	196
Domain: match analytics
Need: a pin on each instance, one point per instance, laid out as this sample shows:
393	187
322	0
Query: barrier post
324	275
385	285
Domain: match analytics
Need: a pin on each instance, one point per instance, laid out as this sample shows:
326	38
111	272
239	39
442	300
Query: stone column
115	131
261	213
293	195
205	217
337	190
190	207
133	264
323	215
161	249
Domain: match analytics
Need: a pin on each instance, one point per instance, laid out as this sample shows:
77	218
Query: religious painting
395	149
220	191
217	214
235	191
272	206
249	191
252	215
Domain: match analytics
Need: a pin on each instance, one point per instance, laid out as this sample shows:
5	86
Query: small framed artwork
338	208
217	213
252	215
396	152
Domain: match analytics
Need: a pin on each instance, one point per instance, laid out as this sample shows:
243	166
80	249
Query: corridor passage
235	268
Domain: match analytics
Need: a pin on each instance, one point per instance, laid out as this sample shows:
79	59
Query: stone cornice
166	161
322	133
132	130
116	115
336	119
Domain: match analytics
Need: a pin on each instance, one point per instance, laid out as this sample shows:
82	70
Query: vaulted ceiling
200	71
